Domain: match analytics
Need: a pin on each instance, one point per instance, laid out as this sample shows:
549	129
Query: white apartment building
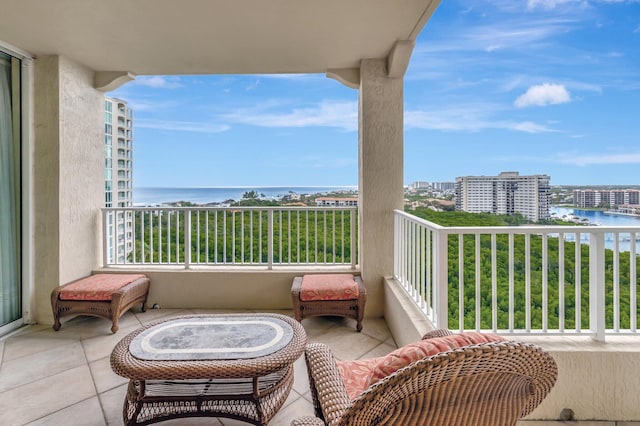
605	197
413	186
443	186
508	193
118	176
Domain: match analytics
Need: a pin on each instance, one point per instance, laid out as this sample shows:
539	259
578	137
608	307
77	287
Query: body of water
597	217
146	196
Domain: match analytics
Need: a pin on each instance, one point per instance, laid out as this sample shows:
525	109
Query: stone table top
212	338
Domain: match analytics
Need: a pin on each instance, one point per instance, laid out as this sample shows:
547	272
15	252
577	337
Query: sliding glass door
10	202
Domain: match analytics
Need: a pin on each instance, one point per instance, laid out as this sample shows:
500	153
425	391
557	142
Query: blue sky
538	86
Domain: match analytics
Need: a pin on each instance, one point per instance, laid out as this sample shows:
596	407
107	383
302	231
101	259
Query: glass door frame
25	73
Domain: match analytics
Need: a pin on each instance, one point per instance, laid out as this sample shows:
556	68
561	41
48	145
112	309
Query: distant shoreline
151	196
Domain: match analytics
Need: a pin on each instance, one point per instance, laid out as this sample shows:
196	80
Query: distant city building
336	202
443	186
118	177
508	193
605	197
435	186
413	186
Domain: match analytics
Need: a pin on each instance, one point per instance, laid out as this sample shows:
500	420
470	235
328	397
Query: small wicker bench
102	295
341	295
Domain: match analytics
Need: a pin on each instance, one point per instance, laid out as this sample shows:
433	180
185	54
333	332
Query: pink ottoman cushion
99	287
328	287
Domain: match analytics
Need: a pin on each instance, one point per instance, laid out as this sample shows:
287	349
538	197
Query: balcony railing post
270	239
187	239
354	240
441	281
114	234
596	285
105	240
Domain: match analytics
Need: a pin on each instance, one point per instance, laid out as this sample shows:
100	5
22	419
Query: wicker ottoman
102	295
341	295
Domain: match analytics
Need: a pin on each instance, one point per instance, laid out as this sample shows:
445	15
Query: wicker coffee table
238	366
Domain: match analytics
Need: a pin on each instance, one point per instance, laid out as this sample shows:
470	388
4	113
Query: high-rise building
118	177
605	197
508	193
443	186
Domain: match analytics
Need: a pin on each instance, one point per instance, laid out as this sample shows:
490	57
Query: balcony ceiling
212	36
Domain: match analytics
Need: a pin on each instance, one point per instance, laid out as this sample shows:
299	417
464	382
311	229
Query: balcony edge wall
225	289
406	322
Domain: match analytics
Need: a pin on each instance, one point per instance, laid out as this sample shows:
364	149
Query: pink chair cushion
328	287
99	287
360	374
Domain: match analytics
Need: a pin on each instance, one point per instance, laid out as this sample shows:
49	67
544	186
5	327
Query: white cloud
587	160
253	85
551	4
181	126
158	82
543	94
343	115
469	119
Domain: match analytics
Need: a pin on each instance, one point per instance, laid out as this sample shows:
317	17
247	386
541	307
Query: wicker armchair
489	384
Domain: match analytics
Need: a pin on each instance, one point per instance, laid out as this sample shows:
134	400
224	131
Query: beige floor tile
84	413
104	377
300	407
101	346
112	402
45	396
31	328
1	351
317	325
42	340
381	350
153	315
34	367
391	342
300	375
345	343
129	319
376	328
85	326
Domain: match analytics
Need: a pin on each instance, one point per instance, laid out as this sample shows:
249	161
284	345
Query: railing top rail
523	229
211	208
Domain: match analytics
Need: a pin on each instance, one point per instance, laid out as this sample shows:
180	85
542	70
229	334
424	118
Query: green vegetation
223	236
553	273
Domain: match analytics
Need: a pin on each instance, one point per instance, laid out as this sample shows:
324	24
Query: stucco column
68	176
381	174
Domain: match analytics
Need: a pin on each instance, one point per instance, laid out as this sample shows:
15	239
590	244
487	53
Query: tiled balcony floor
64	378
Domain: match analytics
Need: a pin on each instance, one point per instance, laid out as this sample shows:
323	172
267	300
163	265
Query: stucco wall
68	175
381	174
45	183
230	289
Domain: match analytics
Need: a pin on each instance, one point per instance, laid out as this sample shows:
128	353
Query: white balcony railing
238	236
520	280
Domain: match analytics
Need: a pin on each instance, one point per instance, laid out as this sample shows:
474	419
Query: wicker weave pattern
246	389
353	308
488	384
121	301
